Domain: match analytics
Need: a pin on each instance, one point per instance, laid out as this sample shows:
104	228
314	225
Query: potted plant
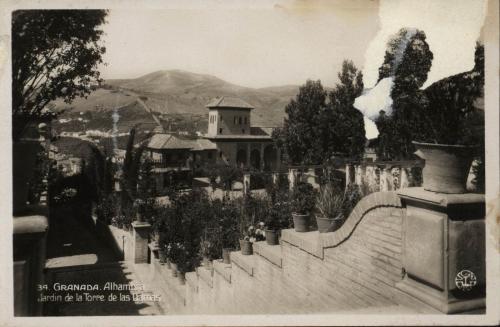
162	253
303	196
139	207
278	218
330	208
228	225
251	235
175	255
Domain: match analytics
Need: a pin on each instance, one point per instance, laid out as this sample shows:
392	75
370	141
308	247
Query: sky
269	44
272	43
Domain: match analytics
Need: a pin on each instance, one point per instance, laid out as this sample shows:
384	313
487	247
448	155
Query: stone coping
245	262
440	199
31	224
223	269
206	275
307	241
140	224
272	253
314	242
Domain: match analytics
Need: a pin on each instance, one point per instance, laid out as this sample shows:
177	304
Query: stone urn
446	166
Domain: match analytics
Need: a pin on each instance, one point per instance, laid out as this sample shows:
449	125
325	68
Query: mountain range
177	92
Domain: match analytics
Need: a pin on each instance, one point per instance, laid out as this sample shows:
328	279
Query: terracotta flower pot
163	256
246	247
446	166
300	222
182	277
272	237
174	269
226	255
326	225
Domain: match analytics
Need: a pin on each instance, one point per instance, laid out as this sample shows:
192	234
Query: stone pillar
248	155
246	183
278	159
384	183
311	177
444	249
292	177
359	174
141	241
275	178
261	156
347	175
403	179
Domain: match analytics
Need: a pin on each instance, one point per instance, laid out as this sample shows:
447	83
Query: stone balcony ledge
271	253
245	262
307	241
314	242
223	269
441	199
31	224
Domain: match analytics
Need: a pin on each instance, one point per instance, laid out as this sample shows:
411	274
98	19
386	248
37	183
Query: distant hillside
181	92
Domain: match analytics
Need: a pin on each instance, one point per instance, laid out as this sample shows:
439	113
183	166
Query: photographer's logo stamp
465	280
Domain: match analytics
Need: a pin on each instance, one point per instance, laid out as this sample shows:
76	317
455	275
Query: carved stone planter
446	166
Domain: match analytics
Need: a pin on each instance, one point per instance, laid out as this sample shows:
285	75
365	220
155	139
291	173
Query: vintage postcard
250	162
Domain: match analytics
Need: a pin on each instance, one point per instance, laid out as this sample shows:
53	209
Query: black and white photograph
281	162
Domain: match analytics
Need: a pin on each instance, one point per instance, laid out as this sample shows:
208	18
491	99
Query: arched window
239	120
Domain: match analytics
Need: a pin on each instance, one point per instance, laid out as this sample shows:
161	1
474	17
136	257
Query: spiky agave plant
329	202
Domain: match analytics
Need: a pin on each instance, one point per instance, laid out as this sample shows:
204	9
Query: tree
55	54
342	125
315	130
408	60
300	134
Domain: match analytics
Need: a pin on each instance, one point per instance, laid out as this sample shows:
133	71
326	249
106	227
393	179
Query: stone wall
119	240
354	268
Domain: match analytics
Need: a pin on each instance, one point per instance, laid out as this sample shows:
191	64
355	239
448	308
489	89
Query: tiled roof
228	102
255	130
239	137
204	144
169	141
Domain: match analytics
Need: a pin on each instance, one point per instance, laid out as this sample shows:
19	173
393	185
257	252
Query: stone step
271	253
245	262
222	269
206	275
